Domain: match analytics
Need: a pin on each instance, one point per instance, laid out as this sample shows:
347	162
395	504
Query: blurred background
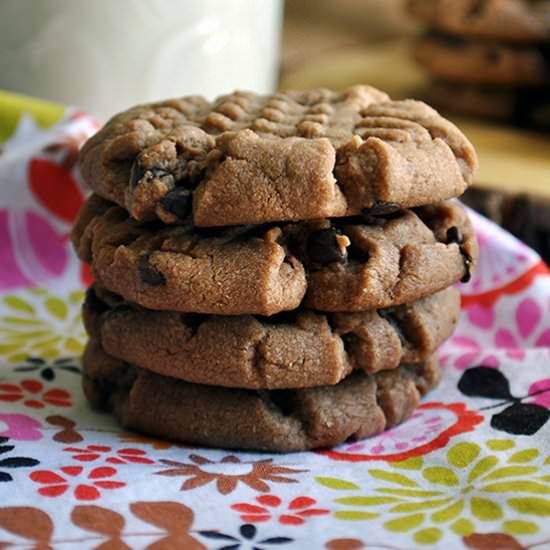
317	28
491	75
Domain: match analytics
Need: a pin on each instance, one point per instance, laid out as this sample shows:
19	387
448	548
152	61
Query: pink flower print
31	250
502	259
511	327
528	316
472	353
20	427
505	339
529	320
540	391
483	317
431	427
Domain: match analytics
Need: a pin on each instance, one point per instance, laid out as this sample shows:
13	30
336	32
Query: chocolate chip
323	247
150	274
467	266
138	171
178	202
454	235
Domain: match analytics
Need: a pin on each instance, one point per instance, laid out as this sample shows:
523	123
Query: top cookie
511	20
247	158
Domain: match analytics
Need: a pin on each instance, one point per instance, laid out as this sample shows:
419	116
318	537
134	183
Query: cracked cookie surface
297	350
249	159
345	264
508	20
278	421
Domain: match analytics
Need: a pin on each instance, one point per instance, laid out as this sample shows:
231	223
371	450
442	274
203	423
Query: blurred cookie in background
526	217
487	58
506	20
483	61
526	107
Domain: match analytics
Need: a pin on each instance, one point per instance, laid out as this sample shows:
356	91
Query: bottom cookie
277	421
524	107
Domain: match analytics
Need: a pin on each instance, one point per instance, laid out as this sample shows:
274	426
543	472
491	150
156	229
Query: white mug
104	56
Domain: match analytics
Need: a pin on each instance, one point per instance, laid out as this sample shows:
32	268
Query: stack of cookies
272	272
488	57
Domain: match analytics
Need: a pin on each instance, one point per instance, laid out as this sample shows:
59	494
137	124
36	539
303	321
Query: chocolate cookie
483	62
395	259
250	159
508	20
524	107
179	268
296	350
278	421
348	264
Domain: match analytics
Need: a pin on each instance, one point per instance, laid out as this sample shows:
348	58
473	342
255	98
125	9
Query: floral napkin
470	469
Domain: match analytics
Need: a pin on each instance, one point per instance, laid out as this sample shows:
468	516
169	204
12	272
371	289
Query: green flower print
493	487
38	323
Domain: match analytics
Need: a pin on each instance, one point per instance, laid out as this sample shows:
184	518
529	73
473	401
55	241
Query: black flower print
12	461
47	368
524	415
245	540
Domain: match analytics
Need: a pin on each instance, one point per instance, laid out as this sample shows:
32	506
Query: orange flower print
228	473
268	506
121	456
32	394
85	485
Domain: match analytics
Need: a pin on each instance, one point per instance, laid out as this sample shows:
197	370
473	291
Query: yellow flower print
507	490
37	323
